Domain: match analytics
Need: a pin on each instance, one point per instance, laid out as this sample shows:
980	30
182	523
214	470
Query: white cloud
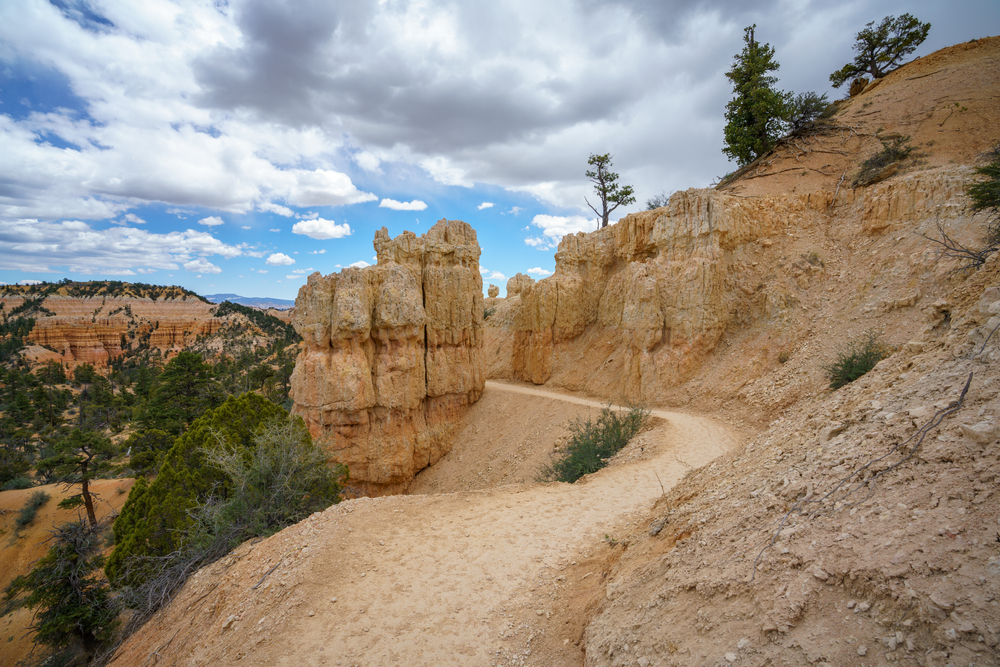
485	204
34	245
321	229
261	270
295	277
274	230
146	271
280	259
514	210
211	221
246	227
322	187
134	219
415	205
275	208
201	265
555	227
368	161
496	275
29	282
360	264
318	252
483	270
540	271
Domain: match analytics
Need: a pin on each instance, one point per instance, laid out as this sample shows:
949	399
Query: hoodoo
393	354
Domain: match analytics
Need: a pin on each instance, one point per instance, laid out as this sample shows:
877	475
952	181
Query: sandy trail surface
413	580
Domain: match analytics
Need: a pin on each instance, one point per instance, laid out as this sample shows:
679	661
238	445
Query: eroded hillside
726	304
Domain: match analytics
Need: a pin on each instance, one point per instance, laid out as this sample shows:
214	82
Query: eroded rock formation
636	307
97	329
393	354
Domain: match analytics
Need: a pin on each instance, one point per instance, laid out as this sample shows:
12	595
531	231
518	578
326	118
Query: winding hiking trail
418	579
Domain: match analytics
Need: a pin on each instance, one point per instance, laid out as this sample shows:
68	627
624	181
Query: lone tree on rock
882	49
607	188
758	113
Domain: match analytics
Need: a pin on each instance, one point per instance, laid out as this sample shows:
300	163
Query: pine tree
758	113
607	188
881	49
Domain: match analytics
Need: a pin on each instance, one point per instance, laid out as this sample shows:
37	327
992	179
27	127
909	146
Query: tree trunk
88	500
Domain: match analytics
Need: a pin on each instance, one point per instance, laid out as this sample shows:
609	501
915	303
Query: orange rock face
392	354
90	329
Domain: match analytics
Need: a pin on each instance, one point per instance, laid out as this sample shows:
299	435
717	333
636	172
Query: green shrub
30	509
892	152
592	443
73	609
859	358
985	195
18	484
488	312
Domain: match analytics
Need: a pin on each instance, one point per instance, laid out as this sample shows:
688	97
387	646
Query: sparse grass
488	312
892	152
592	443
859	358
30	509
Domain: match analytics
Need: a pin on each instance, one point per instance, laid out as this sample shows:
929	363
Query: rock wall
392	354
90	329
638	306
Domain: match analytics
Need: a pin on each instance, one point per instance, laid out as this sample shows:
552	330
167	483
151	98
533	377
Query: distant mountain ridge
256	301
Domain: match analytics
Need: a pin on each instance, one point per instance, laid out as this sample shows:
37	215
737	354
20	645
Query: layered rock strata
392	354
636	307
95	330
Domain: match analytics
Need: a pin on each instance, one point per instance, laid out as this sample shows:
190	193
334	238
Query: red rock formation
392	354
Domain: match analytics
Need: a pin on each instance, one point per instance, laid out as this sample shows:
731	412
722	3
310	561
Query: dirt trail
418	580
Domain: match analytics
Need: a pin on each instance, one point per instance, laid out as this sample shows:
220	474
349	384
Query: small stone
643	661
312	613
731	657
862	650
863	606
851	604
819	573
941	601
743	643
333	599
950	634
540	612
890	643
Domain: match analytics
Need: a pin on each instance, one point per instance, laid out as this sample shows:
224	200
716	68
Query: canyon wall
392	354
635	308
92	329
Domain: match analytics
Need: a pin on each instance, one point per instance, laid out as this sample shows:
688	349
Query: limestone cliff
85	323
392	354
636	308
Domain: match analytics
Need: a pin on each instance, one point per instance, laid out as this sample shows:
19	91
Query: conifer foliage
881	49
756	116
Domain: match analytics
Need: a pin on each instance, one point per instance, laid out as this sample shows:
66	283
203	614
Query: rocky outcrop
638	306
98	329
392	354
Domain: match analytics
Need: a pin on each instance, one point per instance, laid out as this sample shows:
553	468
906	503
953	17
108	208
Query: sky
236	147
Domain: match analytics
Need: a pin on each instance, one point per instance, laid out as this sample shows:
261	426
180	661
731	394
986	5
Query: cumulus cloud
321	229
554	227
275	208
211	221
496	275
201	265
415	205
76	246
29	282
539	271
134	219
279	259
192	106
317	252
360	264
485	204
